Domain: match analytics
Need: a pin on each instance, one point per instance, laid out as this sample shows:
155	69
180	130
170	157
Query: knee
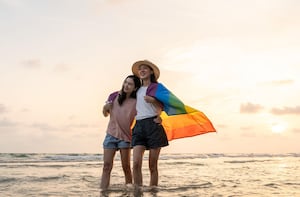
136	165
107	166
126	167
153	168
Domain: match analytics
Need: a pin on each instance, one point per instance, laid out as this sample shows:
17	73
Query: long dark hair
153	78
137	85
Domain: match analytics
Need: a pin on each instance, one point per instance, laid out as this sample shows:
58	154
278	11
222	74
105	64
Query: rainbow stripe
178	119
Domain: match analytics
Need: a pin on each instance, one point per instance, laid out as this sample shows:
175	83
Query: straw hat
136	65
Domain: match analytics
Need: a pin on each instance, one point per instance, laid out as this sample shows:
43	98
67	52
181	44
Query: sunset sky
238	61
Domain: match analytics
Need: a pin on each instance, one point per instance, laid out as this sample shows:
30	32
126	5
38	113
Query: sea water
179	175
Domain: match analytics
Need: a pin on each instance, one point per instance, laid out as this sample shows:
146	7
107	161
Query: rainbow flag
178	119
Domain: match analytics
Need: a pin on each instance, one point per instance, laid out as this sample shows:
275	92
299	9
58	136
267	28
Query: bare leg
138	153
153	160
125	158
108	158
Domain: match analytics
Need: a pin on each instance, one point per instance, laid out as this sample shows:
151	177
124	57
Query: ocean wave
247	161
7	179
30	179
18	155
40	164
43	157
24	165
154	189
293	184
78	157
239	175
43	178
74	157
224	155
187	162
273	185
187	187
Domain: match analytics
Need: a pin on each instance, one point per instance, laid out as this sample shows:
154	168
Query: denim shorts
149	134
110	142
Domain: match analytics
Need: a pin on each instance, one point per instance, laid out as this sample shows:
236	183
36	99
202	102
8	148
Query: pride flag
178	119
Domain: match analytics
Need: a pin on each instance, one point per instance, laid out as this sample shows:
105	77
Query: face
145	72
128	85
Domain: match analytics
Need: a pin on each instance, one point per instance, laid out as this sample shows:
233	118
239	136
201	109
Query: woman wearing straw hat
147	134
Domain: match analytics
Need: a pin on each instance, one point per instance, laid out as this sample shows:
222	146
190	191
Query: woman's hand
156	103
149	99
157	120
106	109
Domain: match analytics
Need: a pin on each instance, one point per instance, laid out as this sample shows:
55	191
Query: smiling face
145	72
128	86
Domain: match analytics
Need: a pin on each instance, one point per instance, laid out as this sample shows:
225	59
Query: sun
278	127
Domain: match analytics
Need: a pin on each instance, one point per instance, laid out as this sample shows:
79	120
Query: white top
144	109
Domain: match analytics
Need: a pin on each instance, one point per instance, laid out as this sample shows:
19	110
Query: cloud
7	123
249	134
25	110
61	68
11	3
250	108
3	109
247	128
279	82
67	127
79	126
283	82
114	2
43	126
32	63
248	131
286	110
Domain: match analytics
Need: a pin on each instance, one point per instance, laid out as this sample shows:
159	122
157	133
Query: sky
237	61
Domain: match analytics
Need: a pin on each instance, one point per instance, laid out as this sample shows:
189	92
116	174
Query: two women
148	134
180	121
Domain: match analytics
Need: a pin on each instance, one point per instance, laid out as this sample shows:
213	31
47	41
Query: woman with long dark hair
121	108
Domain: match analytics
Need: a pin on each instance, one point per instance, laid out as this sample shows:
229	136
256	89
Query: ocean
214	175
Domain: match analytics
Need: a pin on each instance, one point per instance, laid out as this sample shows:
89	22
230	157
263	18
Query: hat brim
136	65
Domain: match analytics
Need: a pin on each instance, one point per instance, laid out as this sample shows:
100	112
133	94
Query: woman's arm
106	109
158	105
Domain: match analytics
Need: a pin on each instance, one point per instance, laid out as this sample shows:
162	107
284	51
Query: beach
179	175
